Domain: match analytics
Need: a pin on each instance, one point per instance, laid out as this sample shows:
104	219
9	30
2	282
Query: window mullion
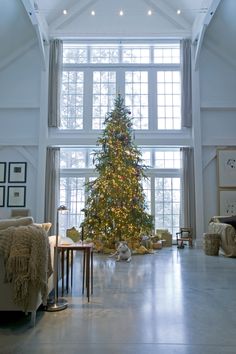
152	109
88	86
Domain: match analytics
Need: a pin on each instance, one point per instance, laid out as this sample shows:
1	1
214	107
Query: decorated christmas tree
115	209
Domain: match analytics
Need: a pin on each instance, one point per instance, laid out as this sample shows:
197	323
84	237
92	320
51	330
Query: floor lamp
58	304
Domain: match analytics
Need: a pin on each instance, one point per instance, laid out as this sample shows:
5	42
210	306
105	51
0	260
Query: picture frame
227	202
226	159
3	166
16	196
2	196
17	172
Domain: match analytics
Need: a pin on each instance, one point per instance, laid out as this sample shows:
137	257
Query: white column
198	165
42	144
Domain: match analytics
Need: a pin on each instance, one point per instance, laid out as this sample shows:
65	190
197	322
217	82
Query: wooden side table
87	280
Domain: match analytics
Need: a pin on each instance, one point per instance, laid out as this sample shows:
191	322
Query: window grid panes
167	203
77	167
167	53
136	55
133	85
146	183
73	158
75	53
104	92
104	54
167	159
72	94
72	194
168	100
136	97
146	157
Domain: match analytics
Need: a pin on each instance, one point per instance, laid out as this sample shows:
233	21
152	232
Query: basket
211	244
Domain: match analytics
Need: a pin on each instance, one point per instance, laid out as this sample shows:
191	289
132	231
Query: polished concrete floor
171	302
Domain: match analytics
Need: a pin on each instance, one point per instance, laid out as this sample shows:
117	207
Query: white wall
19	121
218	120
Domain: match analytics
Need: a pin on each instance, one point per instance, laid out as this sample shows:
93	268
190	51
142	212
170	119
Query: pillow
231	220
5	223
73	234
46	226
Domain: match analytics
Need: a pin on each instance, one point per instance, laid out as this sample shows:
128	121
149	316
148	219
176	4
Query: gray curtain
186	84
54	85
188	189
52	187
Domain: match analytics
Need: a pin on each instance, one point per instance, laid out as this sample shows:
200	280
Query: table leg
91	271
72	260
62	272
83	280
67	269
88	273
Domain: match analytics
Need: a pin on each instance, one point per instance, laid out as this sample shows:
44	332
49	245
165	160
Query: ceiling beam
168	13
204	18
198	47
199	29
72	12
39	26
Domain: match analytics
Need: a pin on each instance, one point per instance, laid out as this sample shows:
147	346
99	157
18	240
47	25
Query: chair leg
181	244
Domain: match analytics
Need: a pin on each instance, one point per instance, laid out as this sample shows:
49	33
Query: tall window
162	186
136	97
167	203
104	91
168	100
142	73
72	100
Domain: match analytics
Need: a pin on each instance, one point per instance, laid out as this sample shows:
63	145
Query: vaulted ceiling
26	22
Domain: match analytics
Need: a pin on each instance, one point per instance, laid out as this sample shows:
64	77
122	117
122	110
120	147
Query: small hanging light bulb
121	13
65	12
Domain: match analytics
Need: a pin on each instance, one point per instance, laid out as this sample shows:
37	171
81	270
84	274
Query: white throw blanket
27	261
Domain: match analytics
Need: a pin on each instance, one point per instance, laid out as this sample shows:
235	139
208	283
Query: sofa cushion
5	223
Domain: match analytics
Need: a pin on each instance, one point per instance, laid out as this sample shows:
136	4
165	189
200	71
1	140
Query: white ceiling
190	8
18	29
135	22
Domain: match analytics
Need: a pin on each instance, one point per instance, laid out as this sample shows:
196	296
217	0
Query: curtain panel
54	85
188	189
52	186
186	84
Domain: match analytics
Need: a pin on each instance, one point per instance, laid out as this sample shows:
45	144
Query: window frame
120	68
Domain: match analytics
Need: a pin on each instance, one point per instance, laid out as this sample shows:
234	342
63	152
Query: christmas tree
115	209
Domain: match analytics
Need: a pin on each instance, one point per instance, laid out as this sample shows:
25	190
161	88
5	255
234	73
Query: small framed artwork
227	167
2	196
17	172
3	172
227	199
16	196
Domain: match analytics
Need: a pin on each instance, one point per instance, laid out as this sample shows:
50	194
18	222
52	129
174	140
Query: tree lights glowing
115	209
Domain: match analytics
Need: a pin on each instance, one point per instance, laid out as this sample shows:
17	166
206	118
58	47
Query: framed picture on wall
16	196
17	172
3	166
2	196
226	167
227	201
